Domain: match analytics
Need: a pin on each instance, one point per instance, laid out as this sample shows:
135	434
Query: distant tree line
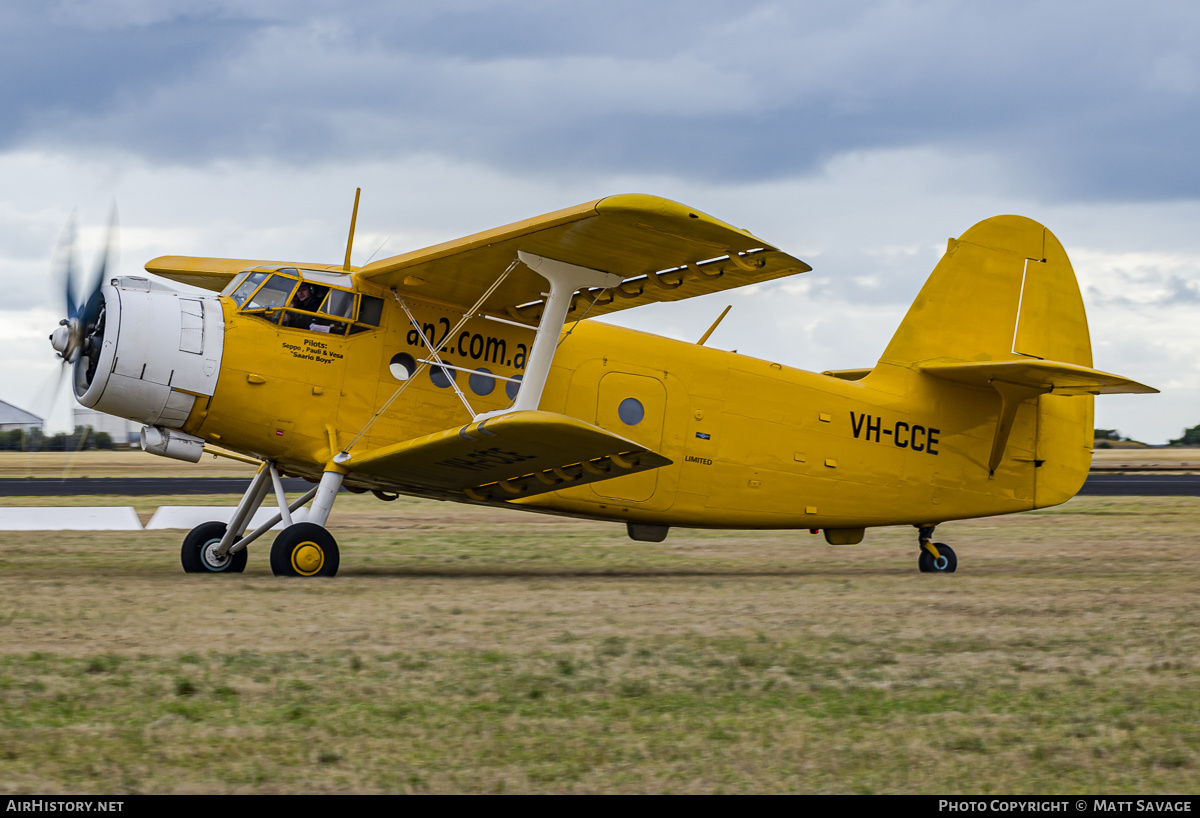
1104	438
83	437
1191	437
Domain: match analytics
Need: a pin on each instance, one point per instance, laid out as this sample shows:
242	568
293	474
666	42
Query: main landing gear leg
207	547
219	548
307	549
936	557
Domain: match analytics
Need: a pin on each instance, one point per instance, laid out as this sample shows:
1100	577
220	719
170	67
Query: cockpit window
248	285
304	304
371	310
272	294
326	277
308	297
339	303
234	283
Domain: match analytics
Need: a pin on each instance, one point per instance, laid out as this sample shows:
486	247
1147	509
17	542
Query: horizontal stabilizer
1051	377
508	457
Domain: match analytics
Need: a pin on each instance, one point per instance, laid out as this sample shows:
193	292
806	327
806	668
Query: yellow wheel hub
307	558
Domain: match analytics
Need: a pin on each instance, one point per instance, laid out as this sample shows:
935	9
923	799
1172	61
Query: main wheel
304	550
946	563
198	552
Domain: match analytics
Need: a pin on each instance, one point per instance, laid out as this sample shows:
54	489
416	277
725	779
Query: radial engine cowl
151	353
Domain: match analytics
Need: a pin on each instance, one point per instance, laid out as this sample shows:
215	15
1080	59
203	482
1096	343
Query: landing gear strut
302	549
936	557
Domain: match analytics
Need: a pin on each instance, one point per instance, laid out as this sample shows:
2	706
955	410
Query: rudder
1004	290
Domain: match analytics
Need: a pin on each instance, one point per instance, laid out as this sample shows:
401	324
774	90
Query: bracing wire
423	366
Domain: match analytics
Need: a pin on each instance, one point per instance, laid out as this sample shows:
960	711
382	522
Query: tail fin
1004	290
1002	310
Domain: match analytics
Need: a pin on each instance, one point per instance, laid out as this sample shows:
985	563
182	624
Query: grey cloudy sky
856	135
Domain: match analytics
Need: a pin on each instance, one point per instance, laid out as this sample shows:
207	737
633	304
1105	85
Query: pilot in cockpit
308	297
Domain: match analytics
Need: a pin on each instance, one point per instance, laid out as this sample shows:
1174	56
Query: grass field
115	463
465	650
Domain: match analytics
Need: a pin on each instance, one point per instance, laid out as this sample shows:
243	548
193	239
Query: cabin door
632	406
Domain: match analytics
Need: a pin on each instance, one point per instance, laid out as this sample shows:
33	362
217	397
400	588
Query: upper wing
664	250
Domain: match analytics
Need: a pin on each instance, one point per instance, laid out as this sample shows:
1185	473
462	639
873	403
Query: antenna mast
353	219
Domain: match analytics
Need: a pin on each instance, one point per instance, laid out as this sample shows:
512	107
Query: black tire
304	550
196	552
948	563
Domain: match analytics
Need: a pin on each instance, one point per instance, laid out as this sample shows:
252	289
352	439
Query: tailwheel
198	552
304	550
946	562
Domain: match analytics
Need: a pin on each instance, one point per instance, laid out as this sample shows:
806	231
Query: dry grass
1135	459
115	463
470	651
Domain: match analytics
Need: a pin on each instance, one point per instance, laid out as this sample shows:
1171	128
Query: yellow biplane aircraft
452	373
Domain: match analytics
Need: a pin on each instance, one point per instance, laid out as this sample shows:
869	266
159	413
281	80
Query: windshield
273	294
234	283
248	285
301	304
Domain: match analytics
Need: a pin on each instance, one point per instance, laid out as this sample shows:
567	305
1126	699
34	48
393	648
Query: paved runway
134	486
1142	485
1111	484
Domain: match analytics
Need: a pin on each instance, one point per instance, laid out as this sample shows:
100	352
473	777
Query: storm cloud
1077	101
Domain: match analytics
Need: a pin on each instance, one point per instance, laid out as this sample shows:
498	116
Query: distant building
123	432
12	418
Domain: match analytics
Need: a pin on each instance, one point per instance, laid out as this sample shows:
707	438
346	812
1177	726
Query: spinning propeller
81	334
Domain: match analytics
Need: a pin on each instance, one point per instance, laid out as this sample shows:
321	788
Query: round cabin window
402	366
511	388
481	381
631	411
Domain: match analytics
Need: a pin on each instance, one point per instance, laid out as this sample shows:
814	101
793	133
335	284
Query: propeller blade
61	377
64	264
91	307
91	310
45	398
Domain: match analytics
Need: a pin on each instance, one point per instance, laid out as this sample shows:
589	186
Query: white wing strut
565	280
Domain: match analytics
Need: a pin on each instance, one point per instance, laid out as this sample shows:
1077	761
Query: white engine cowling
153	351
